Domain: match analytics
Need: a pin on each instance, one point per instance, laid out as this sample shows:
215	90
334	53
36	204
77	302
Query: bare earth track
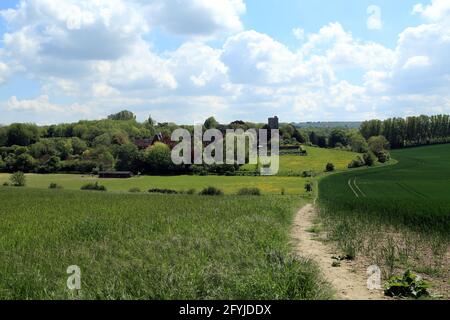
348	280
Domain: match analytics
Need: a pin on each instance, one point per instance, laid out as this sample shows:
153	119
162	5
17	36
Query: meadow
317	159
151	246
229	185
397	215
288	181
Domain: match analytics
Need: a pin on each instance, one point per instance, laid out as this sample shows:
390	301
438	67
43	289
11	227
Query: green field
396	216
414	193
230	185
316	161
150	247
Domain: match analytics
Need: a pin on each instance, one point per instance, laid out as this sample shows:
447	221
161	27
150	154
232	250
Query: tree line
409	132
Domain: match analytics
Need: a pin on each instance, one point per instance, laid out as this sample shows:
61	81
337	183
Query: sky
185	60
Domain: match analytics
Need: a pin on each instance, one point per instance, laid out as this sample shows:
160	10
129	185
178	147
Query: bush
357	163
18	179
308	174
135	190
54	186
249	192
191	191
309	187
93	187
409	285
329	167
369	159
6	184
383	156
163	191
211	191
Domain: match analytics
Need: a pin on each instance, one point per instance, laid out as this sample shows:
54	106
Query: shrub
383	156
308	174
409	285
6	184
357	163
309	187
211	191
163	191
135	190
18	179
54	186
93	187
329	167
249	192
369	159
191	191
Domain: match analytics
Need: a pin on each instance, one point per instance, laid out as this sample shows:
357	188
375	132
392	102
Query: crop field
316	161
397	216
230	185
150	247
414	193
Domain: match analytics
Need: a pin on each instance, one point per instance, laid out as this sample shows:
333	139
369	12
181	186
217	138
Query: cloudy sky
183	60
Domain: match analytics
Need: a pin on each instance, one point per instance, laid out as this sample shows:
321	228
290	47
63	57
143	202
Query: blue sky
185	60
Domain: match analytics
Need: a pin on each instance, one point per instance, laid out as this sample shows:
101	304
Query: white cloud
374	21
4	72
197	17
343	51
298	33
417	61
437	10
42	104
256	58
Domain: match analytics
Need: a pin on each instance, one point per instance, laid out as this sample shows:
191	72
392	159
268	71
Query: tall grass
151	247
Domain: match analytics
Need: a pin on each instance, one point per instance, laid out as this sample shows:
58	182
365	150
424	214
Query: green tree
25	163
158	159
211	123
357	142
338	137
378	144
22	134
124	115
127	156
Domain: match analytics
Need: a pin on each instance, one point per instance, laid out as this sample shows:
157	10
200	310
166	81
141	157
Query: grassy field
230	185
399	215
150	247
316	161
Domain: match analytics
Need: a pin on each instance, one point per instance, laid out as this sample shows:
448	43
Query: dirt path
349	282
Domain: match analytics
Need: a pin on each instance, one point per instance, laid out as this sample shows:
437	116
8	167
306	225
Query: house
115	174
145	143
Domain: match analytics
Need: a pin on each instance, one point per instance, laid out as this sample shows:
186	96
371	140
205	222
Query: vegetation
409	285
211	191
249	192
18	179
158	247
93	187
398	215
329	167
54	186
230	185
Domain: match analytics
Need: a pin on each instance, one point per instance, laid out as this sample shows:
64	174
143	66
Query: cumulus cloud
437	10
42	104
298	33
4	71
96	53
197	17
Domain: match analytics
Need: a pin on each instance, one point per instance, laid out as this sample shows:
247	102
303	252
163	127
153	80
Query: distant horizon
281	121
